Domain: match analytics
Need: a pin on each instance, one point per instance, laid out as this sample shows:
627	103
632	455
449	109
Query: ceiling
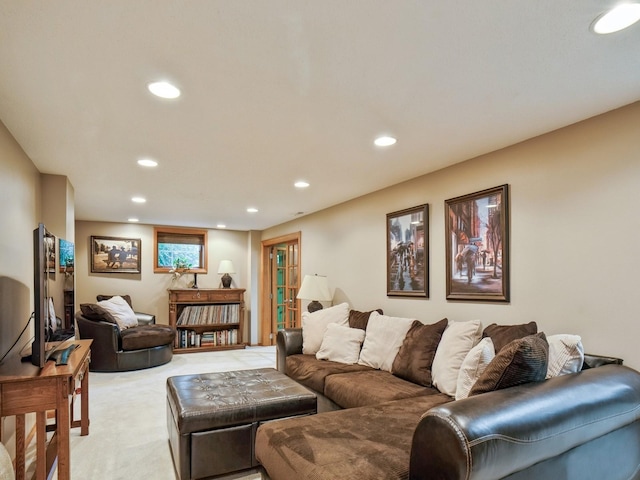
282	90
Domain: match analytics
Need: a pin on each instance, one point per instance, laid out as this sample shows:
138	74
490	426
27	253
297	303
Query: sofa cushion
311	372
473	366
383	339
368	442
566	354
126	298
360	319
456	341
147	336
415	357
314	324
358	389
341	344
522	361
504	334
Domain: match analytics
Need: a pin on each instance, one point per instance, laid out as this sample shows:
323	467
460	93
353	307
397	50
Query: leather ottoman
212	418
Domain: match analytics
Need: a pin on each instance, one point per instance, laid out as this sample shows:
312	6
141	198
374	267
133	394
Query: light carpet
128	431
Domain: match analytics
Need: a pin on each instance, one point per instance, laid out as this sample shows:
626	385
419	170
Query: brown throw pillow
522	361
415	357
501	335
96	312
360	319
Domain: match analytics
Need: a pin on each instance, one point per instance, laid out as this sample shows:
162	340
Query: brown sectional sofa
374	425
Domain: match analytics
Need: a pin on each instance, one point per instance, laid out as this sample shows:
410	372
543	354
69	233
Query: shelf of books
207	319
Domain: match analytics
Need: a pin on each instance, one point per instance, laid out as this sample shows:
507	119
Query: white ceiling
281	90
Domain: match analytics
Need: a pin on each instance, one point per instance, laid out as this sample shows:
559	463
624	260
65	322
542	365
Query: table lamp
314	288
226	267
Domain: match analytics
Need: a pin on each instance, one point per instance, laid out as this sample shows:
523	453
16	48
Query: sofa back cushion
360	319
501	335
415	357
341	344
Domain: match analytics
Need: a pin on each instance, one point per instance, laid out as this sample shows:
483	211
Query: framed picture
477	244
66	255
115	255
408	252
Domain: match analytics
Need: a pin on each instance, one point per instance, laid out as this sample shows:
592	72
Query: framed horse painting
477	246
408	252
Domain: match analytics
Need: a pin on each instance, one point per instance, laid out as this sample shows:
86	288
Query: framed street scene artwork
477	246
408	252
115	255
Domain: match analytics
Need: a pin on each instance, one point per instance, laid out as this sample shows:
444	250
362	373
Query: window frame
196	233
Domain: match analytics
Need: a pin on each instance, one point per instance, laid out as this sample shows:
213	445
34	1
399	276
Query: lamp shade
314	287
226	266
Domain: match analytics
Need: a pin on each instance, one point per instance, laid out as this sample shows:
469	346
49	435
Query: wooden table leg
63	425
20	448
41	445
84	403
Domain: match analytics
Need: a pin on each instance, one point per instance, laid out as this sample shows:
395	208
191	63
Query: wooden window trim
196	232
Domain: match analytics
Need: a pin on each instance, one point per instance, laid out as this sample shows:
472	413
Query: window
180	245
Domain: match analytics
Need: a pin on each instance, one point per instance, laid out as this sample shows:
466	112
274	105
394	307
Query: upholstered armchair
117	347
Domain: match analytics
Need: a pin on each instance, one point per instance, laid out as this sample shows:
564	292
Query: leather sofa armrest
145	318
593	361
288	342
526	424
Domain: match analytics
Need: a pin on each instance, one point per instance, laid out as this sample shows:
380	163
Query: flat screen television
43	252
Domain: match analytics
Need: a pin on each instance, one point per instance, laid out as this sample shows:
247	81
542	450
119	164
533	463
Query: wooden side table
25	388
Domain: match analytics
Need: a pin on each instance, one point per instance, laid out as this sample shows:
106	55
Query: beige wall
148	290
574	225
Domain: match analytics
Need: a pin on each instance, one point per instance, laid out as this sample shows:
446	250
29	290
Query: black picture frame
115	254
408	252
477	246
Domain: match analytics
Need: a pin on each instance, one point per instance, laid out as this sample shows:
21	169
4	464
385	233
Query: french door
280	283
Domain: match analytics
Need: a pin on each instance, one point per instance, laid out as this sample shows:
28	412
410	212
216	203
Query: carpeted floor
128	431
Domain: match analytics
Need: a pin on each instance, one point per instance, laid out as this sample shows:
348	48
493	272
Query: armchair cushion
121	311
147	336
95	312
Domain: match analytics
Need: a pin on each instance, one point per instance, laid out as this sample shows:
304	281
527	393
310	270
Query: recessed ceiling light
384	141
133	220
618	18
164	90
147	162
252	210
138	199
221	225
301	184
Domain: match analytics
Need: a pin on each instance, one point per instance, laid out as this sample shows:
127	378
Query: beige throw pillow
341	344
314	325
121	311
566	354
383	339
456	342
473	365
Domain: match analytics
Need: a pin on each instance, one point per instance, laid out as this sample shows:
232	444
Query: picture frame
115	254
408	252
65	256
50	252
477	246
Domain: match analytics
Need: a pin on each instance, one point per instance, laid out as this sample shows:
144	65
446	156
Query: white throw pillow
473	365
566	354
383	339
314	325
341	344
121	311
456	341
52	320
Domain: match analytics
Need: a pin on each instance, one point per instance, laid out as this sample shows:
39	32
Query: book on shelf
190	338
209	314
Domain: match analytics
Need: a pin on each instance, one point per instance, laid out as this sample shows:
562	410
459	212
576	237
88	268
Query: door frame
265	282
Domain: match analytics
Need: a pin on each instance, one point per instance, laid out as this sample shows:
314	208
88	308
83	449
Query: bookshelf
207	319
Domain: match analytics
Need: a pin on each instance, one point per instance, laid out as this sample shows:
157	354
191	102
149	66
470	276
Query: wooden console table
25	388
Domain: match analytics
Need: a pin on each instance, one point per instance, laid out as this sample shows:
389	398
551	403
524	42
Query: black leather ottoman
212	418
